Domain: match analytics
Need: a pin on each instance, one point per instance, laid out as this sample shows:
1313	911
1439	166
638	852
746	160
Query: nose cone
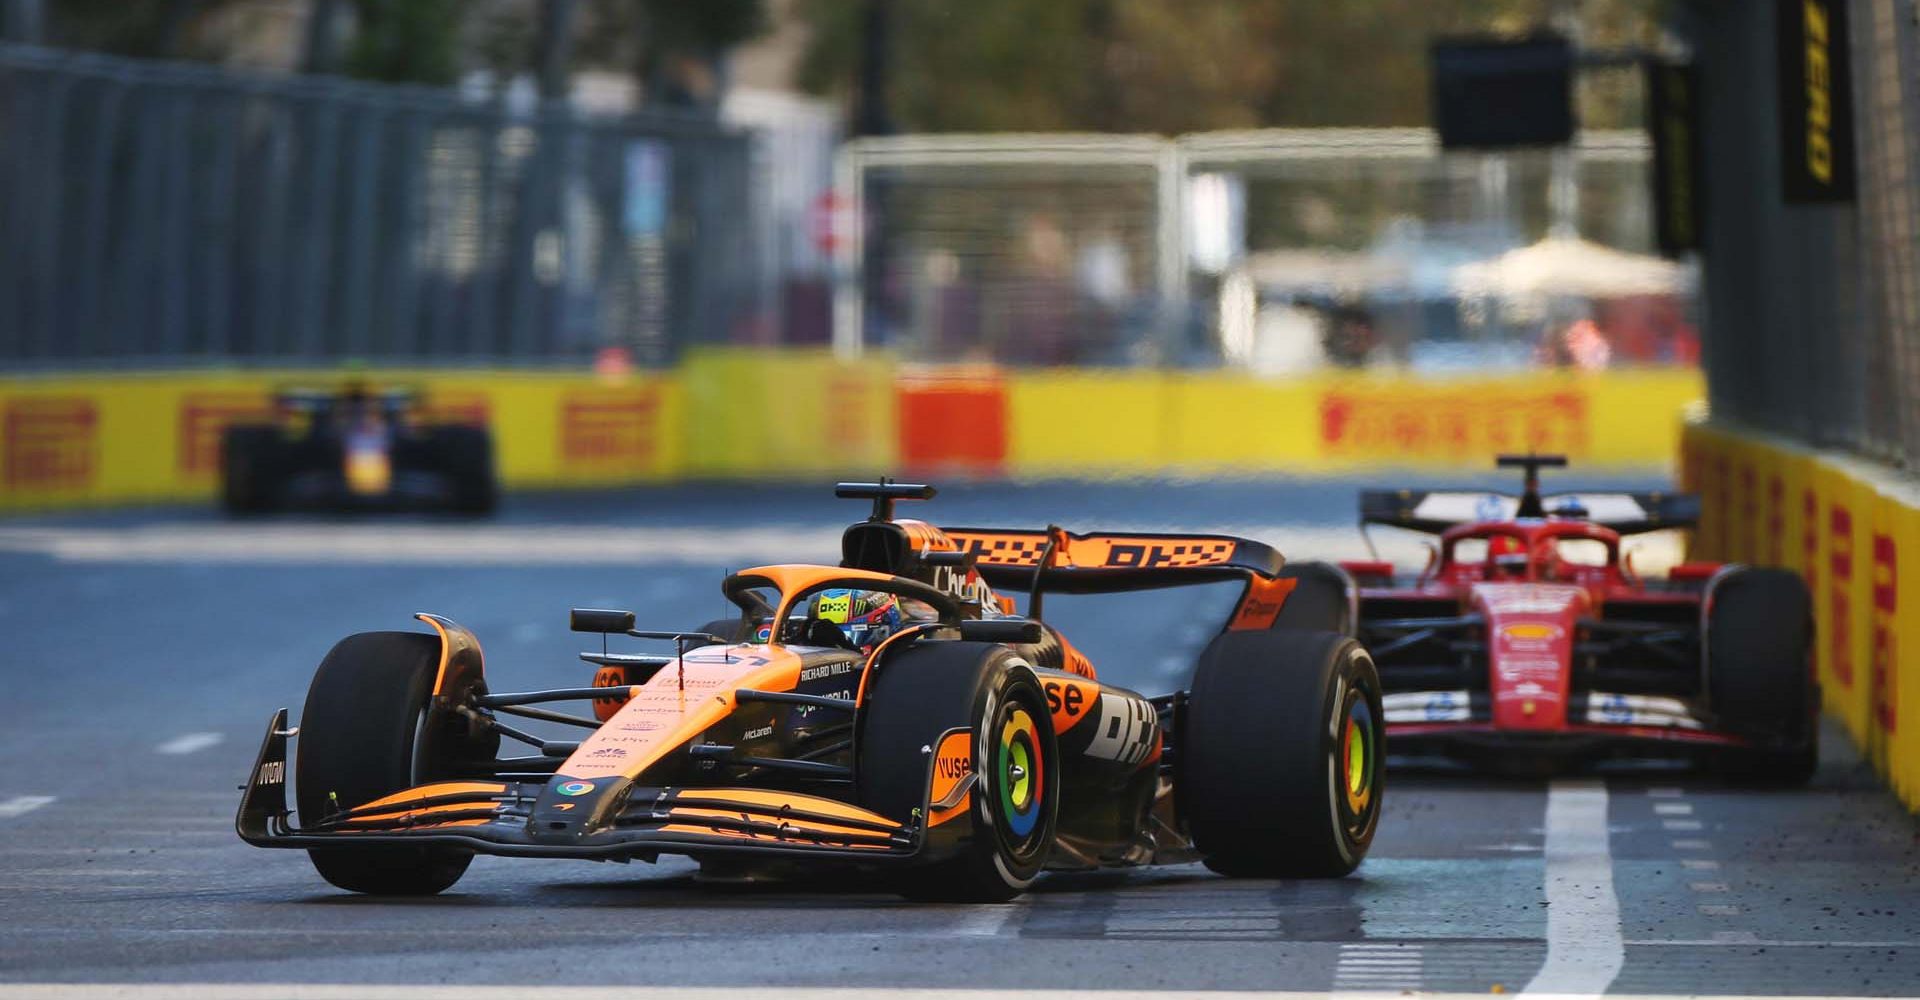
571	810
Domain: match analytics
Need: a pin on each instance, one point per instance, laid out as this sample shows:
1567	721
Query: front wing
496	817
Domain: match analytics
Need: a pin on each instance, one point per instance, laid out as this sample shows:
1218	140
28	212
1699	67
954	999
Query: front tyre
1006	825
366	732
1281	754
1759	674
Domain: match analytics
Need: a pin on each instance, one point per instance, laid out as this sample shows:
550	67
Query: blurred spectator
1350	335
1579	344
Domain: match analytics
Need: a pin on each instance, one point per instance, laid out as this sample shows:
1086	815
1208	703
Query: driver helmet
1507	556
866	617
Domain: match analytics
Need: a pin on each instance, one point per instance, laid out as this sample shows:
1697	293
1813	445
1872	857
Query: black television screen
1501	94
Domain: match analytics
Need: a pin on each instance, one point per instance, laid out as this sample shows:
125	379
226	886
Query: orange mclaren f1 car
890	716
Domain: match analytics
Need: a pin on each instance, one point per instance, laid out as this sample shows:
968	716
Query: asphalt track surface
144	651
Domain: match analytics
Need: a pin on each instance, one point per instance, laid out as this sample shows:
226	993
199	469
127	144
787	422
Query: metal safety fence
1262	249
1813	308
163	214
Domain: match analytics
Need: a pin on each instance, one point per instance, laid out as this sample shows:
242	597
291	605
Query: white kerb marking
189	743
20	805
1585	949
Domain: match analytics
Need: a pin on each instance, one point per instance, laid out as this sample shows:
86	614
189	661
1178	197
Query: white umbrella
1571	267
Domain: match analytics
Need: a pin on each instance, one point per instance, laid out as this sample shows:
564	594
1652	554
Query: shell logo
1532	631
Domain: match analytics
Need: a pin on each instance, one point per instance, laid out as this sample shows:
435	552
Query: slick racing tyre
366	732
249	472
1321	601
465	457
1759	685
928	690
1281	754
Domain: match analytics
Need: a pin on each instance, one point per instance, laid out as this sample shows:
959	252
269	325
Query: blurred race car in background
1529	640
355	448
889	716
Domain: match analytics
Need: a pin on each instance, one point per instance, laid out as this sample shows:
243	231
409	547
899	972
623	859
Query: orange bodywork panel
413	796
678	703
952	764
1261	603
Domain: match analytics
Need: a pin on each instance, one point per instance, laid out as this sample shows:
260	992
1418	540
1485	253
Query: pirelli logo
1397	425
1816	100
204	418
604	431
50	443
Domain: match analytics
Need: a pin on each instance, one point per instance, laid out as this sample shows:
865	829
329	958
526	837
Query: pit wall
73	440
1852	529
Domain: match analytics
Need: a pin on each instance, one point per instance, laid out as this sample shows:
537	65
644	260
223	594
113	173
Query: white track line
582	544
358	991
987	919
189	743
20	805
1391	967
1584	946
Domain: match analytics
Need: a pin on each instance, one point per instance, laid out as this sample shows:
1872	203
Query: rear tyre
1281	754
1321	601
465	457
367	732
919	694
249	475
1759	679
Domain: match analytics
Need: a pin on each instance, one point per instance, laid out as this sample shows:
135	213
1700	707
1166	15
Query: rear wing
1098	564
1434	511
1059	561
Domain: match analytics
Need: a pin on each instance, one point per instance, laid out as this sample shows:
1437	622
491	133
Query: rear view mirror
599	620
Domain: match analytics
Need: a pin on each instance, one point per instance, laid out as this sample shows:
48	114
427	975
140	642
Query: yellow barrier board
1146	423
758	412
800	413
68	441
1852	529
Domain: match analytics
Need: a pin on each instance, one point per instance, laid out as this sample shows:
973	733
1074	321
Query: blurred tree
406	41
1177	66
674	48
156	29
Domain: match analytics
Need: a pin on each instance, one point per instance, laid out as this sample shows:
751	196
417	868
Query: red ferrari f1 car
1529	638
890	715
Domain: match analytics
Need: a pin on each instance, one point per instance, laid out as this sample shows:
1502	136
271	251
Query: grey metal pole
24	21
556	48
320	46
1563	190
